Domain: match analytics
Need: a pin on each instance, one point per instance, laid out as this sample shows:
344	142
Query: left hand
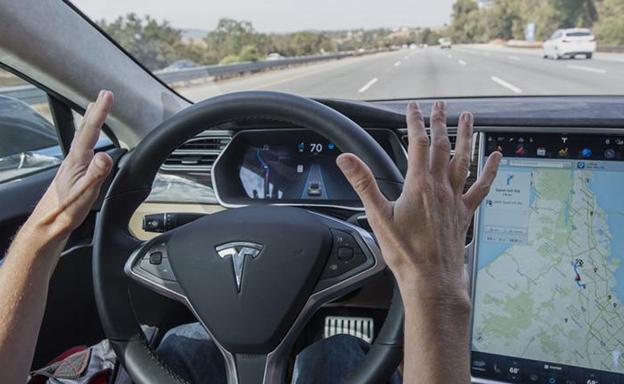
77	183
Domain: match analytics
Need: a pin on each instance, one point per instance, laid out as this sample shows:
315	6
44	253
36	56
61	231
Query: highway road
466	70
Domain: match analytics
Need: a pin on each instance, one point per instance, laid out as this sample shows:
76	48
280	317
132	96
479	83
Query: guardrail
228	70
611	48
32	95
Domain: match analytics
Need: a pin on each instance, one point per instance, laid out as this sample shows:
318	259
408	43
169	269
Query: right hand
77	183
422	234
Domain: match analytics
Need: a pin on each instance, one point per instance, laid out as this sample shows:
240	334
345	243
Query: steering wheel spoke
354	258
149	265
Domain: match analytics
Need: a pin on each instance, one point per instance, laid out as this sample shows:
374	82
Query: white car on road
569	43
445	43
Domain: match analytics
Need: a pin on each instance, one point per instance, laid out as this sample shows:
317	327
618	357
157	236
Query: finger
94	118
481	187
90	183
418	142
81	198
363	182
87	112
440	144
99	167
460	164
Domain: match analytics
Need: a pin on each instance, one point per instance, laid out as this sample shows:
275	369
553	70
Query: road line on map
368	85
587	69
462	62
505	84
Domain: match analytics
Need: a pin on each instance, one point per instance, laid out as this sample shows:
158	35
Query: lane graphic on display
301	171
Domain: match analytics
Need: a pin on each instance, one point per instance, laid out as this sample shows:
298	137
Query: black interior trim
63	122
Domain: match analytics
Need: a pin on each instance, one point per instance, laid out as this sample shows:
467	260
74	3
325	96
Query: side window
28	138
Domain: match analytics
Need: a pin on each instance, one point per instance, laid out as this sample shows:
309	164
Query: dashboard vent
404	140
199	153
453	138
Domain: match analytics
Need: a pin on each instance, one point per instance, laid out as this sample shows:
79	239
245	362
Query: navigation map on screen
550	280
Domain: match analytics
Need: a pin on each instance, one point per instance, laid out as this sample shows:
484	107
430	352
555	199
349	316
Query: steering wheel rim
113	244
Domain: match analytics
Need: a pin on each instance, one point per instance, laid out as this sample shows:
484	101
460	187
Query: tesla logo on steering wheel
238	251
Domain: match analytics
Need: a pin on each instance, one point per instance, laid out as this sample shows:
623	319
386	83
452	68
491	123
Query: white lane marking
513	58
397	63
587	69
450	56
462	62
368	85
505	84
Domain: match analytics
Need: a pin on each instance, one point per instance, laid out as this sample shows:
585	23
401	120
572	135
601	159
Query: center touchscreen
548	279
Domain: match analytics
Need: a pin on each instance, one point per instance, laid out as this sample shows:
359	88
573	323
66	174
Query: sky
280	15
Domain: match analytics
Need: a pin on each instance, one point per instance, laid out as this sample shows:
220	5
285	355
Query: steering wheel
254	316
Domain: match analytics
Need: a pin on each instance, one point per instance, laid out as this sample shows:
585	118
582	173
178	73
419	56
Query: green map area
557	297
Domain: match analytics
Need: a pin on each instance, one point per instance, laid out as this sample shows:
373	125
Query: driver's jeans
189	351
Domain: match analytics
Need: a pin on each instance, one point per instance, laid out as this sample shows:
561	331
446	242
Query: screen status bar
556	146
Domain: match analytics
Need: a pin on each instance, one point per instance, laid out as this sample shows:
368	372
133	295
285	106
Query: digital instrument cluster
296	167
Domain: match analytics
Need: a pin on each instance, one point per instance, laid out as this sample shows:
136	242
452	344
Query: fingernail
413	105
345	163
441	104
467	117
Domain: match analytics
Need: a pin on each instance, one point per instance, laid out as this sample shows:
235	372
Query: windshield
371	49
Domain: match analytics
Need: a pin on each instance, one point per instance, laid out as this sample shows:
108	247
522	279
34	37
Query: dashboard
289	167
546	256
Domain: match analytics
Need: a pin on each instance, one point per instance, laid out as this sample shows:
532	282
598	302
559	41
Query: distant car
179	65
274	56
445	43
570	43
413	46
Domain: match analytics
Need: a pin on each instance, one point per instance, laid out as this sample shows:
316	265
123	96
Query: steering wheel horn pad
252	276
274	285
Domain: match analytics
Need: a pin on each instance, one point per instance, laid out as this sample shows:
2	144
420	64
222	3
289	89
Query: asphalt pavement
464	70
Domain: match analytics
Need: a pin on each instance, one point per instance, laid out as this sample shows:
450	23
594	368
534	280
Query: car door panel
17	200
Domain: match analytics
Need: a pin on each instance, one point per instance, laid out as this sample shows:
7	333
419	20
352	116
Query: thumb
99	168
363	182
90	183
81	197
